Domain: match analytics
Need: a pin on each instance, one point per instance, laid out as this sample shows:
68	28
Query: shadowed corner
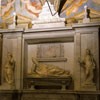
61	4
16	95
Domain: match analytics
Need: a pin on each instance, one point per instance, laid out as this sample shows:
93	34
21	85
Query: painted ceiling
32	8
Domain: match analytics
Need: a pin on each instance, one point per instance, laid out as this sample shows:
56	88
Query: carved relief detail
9	70
51	50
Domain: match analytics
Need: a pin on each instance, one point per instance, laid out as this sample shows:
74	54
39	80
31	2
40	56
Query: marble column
86	37
12	41
0	55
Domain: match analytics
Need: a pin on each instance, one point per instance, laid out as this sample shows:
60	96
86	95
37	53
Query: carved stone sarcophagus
49	83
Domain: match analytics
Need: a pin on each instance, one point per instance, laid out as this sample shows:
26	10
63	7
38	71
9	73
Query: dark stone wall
48	95
0	55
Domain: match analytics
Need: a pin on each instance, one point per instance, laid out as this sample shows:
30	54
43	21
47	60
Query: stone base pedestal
88	87
86	20
12	26
48	25
6	86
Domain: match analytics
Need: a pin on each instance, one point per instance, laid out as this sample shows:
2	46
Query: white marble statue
89	65
86	18
9	70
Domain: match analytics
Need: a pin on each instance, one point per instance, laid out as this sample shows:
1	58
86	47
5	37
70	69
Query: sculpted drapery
47	70
88	63
9	70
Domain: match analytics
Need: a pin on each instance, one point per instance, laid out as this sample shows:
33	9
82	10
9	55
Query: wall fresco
7	7
32	8
73	7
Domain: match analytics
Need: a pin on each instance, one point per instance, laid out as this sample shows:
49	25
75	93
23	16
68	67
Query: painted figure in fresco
75	8
47	70
71	6
42	1
9	69
33	7
7	8
96	1
89	65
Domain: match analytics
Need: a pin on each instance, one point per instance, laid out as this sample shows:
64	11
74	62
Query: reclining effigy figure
47	70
